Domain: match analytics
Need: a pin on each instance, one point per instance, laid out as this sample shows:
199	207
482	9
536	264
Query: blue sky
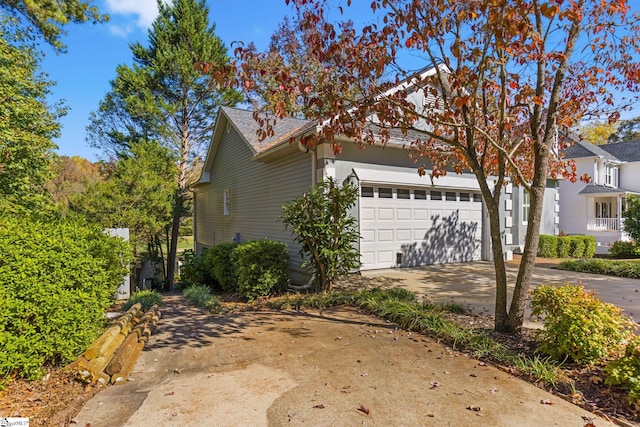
93	52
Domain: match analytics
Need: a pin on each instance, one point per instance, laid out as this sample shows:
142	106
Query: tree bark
173	245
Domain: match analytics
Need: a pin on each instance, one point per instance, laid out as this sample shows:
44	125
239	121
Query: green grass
185	242
145	297
200	296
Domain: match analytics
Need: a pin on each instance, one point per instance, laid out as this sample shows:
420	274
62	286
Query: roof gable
247	127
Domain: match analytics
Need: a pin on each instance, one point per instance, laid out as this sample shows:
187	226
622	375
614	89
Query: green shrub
201	296
548	246
577	325
564	245
625	371
322	224
221	267
192	271
630	269
589	246
145	297
621	249
57	279
262	268
576	246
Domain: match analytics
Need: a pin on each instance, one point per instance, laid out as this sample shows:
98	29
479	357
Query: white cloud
145	10
120	30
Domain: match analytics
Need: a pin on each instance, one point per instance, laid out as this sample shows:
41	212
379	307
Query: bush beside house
252	269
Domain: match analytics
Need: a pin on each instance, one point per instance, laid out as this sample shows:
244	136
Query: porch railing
603	224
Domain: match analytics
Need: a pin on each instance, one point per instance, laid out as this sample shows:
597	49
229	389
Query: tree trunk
173	245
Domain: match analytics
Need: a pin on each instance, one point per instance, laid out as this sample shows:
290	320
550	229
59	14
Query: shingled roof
626	151
284	129
600	189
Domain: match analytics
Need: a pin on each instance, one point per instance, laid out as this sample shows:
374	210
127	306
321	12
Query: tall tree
507	75
164	97
49	17
27	123
136	192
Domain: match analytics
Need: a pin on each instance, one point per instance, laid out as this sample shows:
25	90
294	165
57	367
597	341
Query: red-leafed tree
507	78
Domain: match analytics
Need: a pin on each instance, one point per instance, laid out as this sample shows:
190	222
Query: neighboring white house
596	208
404	219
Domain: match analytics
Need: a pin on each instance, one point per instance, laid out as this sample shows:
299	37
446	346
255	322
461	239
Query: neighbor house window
526	204
226	201
611	175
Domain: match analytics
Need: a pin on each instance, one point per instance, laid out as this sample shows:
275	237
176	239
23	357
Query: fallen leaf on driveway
474	408
319	406
171	393
546	402
493	390
435	384
346	389
365	409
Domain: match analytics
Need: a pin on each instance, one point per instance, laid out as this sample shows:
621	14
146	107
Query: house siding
257	193
549	221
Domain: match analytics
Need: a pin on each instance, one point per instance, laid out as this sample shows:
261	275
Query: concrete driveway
335	367
473	285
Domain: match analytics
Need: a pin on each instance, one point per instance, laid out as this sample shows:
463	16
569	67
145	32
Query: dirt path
315	368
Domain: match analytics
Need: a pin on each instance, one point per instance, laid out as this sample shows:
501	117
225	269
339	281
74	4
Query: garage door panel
403	235
403	214
420	214
385	214
386	258
367	214
368	235
385	235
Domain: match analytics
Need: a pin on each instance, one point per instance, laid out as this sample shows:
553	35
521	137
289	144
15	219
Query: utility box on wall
124	290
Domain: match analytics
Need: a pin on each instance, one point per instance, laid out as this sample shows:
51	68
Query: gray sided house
404	219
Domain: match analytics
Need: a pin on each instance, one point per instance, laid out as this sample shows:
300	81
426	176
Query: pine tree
163	97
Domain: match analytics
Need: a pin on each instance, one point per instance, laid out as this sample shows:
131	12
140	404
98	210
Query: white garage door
409	226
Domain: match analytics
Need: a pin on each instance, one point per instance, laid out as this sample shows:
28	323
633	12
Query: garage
409	225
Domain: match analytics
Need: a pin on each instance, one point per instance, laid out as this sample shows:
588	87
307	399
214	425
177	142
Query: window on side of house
450	196
477	197
465	197
367	191
420	194
226	201
436	195
611	175
402	193
385	193
526	204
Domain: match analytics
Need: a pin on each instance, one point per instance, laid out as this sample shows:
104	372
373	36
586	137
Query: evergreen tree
163	97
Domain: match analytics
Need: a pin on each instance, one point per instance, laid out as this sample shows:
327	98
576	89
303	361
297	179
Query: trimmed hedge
630	269
621	249
566	246
57	279
262	268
